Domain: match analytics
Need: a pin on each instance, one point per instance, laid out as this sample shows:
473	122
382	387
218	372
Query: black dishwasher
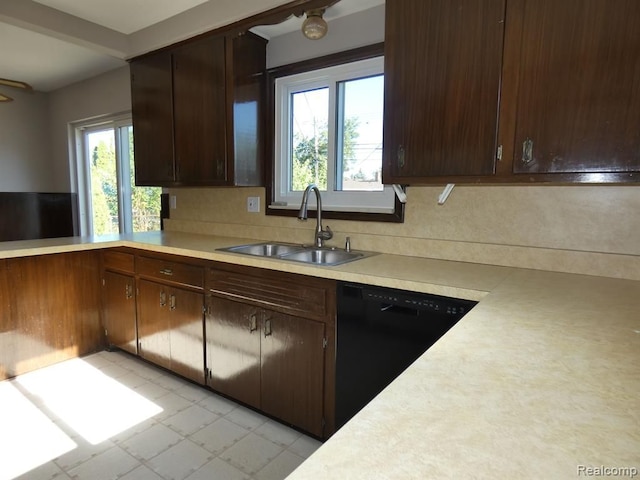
380	332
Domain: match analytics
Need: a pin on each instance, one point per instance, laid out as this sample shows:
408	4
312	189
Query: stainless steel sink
321	256
264	249
298	253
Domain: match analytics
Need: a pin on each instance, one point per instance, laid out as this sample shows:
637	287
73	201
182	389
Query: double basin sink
326	256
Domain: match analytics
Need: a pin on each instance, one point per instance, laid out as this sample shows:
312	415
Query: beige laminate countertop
540	380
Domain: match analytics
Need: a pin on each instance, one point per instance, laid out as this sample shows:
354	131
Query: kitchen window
109	201
328	117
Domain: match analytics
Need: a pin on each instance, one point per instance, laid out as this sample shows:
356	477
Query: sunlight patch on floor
91	403
29	438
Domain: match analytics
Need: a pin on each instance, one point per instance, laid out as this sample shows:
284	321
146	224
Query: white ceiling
54	43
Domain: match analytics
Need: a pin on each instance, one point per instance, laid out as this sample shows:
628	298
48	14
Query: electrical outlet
172	202
253	204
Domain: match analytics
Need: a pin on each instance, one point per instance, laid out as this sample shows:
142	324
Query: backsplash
591	230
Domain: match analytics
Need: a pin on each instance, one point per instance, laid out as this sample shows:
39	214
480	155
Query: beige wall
105	94
590	230
25	153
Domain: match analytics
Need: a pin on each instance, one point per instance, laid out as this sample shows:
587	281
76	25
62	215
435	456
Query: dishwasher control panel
419	301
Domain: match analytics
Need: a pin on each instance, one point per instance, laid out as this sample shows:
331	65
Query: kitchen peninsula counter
540	380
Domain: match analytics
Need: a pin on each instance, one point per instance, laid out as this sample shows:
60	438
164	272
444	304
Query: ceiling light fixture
315	27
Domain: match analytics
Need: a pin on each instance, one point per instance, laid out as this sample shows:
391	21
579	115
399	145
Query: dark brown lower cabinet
119	310
50	310
270	343
268	360
292	370
170	328
233	349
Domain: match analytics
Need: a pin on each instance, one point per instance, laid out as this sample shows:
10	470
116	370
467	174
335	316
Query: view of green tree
145	201
104	199
310	156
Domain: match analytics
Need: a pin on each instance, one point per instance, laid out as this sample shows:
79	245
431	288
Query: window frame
341	58
80	169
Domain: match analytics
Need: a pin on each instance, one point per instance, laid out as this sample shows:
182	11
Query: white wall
25	155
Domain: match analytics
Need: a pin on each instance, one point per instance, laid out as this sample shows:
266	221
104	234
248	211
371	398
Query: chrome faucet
321	234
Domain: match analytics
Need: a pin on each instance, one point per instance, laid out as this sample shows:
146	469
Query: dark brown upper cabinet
197	112
442	78
512	91
572	89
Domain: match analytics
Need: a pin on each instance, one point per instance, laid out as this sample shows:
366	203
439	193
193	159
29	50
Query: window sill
389	216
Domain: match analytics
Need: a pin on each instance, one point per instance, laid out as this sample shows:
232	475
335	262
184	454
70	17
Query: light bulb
314	27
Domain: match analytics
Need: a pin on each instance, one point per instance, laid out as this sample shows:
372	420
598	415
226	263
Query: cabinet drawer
120	261
170	271
288	293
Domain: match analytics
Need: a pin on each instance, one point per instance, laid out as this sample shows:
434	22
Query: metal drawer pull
128	291
400	156
163	299
267	328
253	322
172	302
166	271
527	151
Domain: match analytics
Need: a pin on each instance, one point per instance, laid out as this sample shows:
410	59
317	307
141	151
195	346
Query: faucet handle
325	234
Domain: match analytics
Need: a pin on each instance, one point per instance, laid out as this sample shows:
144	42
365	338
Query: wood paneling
54	306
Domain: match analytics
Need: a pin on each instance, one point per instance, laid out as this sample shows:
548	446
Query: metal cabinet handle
166	271
267	328
163	298
400	156
128	291
253	322
527	151
172	302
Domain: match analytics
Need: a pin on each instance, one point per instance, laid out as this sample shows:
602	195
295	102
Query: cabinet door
152	111
578	100
200	112
186	335
119	311
442	77
154	342
292	374
233	349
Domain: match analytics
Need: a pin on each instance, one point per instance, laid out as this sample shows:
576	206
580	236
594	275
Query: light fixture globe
314	27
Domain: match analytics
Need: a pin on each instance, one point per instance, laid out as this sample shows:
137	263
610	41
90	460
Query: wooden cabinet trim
303	296
167	270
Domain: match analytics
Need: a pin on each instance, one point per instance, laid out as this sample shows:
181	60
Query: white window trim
80	174
339	201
